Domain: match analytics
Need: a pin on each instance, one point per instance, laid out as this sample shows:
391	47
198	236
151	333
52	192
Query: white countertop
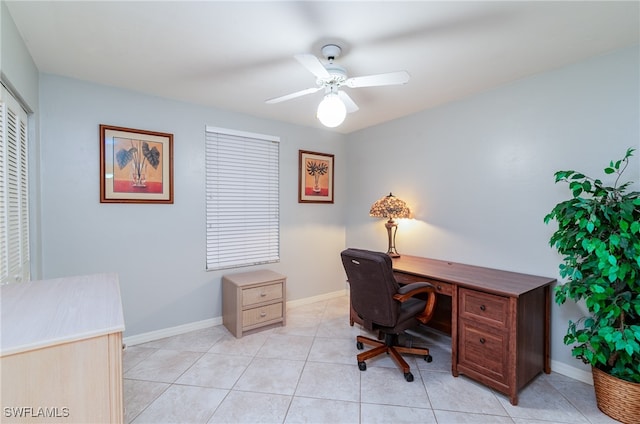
44	313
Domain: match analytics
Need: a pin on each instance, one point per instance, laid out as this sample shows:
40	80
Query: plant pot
617	398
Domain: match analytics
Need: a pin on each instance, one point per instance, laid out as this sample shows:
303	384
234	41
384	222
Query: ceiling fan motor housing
338	76
331	51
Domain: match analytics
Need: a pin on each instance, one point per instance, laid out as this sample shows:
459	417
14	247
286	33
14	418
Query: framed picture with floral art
136	166
315	177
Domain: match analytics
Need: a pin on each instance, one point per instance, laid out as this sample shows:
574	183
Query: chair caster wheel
428	358
362	366
359	345
408	376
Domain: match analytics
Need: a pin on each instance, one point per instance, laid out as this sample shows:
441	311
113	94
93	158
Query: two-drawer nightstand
253	300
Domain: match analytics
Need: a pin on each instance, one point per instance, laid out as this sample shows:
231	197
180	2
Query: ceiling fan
331	77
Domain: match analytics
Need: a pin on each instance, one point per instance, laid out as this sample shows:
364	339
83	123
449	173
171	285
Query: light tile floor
306	372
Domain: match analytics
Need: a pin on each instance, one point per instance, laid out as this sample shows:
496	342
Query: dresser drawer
259	315
484	349
441	287
255	295
252	300
483	307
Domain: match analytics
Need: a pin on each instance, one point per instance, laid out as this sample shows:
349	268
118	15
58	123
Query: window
242	205
14	191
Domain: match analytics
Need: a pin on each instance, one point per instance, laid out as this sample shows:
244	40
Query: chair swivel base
388	347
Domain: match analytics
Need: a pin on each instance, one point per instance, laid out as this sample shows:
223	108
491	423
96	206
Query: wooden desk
499	321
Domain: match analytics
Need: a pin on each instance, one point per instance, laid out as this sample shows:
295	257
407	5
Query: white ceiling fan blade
391	78
314	65
293	95
348	102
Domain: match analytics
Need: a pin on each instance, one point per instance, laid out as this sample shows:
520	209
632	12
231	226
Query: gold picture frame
136	166
315	177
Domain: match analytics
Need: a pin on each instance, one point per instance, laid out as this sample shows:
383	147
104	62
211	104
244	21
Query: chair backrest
372	286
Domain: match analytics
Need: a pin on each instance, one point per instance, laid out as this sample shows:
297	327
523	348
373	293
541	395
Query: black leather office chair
384	306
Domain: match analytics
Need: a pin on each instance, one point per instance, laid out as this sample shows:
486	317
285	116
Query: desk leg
512	354
547	329
454	330
514	399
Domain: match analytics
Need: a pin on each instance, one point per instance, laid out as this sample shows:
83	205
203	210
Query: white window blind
14	192
243	199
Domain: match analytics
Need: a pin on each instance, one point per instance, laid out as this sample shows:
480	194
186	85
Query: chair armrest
412	289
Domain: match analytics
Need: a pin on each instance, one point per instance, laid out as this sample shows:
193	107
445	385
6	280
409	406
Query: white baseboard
212	322
313	299
572	372
171	331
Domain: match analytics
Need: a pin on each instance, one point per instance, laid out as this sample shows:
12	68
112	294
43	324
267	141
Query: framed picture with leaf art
315	177
136	166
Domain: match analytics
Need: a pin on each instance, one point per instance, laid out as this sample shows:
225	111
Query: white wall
16	63
478	173
159	250
19	74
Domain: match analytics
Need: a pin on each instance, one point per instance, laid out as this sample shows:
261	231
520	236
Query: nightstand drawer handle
439	288
483	308
262	294
482	340
263	314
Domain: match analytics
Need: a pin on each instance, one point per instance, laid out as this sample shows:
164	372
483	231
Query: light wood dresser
61	351
253	301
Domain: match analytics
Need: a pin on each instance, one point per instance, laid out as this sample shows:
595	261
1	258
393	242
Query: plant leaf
152	155
123	156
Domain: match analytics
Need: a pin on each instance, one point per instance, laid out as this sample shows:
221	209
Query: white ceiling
234	55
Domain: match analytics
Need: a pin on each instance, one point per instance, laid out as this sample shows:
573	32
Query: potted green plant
598	237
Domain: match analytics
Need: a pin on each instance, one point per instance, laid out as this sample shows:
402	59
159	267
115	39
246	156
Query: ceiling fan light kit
336	103
331	111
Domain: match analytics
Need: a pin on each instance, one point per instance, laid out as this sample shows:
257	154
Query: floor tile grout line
150	403
587	419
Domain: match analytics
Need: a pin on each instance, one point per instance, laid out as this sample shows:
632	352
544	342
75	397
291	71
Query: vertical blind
14	192
243	199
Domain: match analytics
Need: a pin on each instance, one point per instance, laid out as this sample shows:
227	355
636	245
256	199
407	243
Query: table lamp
390	207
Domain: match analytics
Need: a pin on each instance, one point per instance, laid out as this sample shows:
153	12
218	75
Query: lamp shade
331	110
390	207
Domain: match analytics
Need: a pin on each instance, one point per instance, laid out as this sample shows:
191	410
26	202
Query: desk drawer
261	294
484	349
441	286
261	314
483	307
